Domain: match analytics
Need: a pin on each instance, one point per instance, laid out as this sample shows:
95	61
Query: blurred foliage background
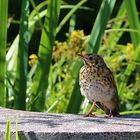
39	43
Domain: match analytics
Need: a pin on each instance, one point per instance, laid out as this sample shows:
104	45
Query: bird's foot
107	116
90	115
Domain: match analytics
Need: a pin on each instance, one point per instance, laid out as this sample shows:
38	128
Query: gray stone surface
43	126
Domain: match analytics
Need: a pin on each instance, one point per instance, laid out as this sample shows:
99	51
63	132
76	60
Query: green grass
133	20
130	112
8	130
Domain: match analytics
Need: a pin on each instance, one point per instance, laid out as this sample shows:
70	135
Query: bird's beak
84	58
81	56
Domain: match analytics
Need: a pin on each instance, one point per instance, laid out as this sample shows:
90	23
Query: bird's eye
90	58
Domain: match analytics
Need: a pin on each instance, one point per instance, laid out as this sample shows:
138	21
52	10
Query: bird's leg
110	114
90	113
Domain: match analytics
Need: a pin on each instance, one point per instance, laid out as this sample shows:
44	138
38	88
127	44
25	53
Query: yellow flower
33	59
129	51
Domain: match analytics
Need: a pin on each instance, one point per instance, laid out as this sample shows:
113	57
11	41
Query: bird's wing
111	79
114	102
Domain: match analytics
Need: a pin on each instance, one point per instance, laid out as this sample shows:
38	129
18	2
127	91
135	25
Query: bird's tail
115	112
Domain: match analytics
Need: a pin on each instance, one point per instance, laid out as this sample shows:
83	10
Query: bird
98	85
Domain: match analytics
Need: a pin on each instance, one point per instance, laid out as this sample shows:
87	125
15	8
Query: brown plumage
97	84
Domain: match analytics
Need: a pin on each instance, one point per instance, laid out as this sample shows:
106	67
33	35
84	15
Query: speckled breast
94	84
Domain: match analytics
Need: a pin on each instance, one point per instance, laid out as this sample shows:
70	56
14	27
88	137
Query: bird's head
92	59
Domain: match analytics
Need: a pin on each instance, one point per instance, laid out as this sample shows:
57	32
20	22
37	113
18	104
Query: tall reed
40	82
3	43
22	60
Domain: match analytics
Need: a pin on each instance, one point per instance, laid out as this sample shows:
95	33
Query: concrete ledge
43	126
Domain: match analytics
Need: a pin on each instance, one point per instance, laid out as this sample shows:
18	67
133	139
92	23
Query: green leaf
22	61
8	130
40	82
133	20
3	40
100	25
135	37
130	112
72	11
129	69
114	37
76	100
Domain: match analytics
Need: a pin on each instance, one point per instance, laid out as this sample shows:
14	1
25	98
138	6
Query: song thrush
97	84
